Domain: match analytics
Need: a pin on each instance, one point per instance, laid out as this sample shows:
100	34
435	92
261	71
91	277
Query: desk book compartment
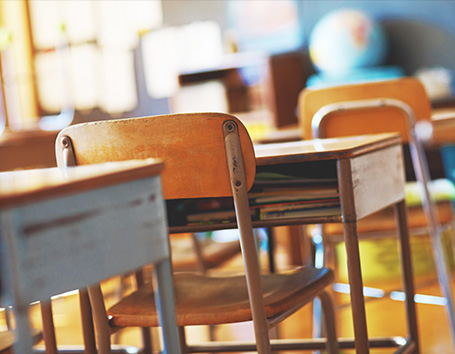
273	196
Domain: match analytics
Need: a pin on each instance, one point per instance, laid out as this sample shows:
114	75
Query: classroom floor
385	314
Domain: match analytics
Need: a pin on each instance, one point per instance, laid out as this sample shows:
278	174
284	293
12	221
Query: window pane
50	81
173	50
45	19
99	68
79	18
160	62
84	78
118	87
121	21
50	20
200	45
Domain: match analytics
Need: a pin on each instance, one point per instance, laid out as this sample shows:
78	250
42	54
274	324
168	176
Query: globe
344	40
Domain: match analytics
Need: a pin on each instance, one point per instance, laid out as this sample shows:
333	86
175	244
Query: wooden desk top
443	124
322	149
20	187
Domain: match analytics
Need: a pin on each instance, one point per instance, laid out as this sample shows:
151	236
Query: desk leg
11	231
356	286
348	211
408	277
165	305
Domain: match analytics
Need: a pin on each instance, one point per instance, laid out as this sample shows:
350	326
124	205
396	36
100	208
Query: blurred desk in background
27	149
278	79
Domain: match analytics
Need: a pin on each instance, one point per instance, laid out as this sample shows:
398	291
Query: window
80	55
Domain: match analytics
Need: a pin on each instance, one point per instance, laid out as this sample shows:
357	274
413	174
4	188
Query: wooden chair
383	106
207	155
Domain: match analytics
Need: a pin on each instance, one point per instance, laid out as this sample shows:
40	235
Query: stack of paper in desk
294	197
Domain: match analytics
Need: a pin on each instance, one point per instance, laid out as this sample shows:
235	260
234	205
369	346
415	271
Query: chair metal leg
271	249
103	331
317	319
8	318
408	276
422	174
444	278
88	330
319	261
48	328
197	249
164	295
242	212
182	339
329	321
147	345
448	163
147	340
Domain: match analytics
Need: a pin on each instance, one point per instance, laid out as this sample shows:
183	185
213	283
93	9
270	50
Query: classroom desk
370	176
227	69
65	229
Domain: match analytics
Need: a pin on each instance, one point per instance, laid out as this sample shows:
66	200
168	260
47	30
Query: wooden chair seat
202	300
214	253
383	221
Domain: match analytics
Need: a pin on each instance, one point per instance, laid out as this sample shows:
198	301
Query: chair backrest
192	146
377	116
205	155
